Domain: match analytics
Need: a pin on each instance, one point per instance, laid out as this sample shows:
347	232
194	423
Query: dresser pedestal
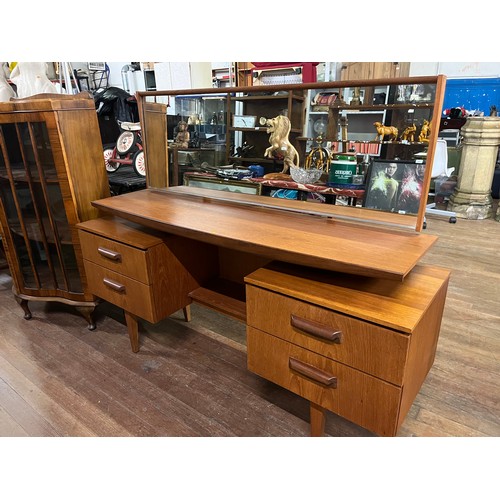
359	347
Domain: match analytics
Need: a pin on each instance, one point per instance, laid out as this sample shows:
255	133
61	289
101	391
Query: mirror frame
154	134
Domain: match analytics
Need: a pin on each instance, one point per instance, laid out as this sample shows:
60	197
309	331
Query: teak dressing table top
249	224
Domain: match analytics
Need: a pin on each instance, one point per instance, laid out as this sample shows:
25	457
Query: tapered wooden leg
318	418
133	330
187	313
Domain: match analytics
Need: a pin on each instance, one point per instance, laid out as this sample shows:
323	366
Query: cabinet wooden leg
187	313
24	306
318	419
87	312
133	330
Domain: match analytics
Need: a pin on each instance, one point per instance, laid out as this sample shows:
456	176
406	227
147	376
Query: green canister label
341	172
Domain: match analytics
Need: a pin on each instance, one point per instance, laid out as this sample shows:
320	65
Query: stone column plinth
471	198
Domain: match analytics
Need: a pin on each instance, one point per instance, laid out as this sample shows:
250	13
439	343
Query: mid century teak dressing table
337	308
337	312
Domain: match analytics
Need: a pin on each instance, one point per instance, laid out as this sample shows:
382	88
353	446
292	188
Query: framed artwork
395	186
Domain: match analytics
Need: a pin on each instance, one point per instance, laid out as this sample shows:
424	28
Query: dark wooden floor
57	378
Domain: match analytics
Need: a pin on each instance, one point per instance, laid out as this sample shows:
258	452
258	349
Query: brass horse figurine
383	131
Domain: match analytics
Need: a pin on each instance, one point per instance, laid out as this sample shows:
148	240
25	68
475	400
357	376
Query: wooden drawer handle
316	329
313	373
109	254
118	287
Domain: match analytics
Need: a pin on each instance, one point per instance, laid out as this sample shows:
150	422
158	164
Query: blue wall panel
472	94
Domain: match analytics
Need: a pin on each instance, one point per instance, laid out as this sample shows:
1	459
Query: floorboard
57	378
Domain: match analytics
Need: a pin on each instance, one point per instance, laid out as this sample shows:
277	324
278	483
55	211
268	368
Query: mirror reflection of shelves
249	138
346	118
360	131
349	119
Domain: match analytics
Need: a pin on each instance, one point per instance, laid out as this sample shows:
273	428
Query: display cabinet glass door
34	209
205	117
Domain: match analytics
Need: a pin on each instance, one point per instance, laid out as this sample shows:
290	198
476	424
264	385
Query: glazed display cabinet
51	168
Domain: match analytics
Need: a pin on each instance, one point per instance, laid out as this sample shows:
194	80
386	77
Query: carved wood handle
109	254
118	287
316	329
310	371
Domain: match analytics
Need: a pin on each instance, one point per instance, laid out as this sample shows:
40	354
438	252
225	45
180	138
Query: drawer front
372	349
123	259
131	295
356	396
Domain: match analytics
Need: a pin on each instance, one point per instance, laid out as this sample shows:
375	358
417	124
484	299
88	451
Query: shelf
267	97
20	176
33	230
222	296
394	143
248	129
384	107
357	110
260	129
254	159
361	112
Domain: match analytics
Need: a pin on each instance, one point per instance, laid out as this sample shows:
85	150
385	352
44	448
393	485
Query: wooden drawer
158	271
372	349
118	257
127	293
361	398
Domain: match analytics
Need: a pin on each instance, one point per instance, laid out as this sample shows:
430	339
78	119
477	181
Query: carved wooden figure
278	129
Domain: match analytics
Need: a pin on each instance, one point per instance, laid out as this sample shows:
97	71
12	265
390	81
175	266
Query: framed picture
245	187
395	186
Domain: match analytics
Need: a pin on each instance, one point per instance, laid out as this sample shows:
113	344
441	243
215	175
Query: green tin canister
342	169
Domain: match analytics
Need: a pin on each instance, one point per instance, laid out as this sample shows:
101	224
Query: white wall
201	76
456	69
115	73
199	73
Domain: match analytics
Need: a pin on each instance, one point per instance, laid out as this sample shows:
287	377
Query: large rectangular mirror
361	150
